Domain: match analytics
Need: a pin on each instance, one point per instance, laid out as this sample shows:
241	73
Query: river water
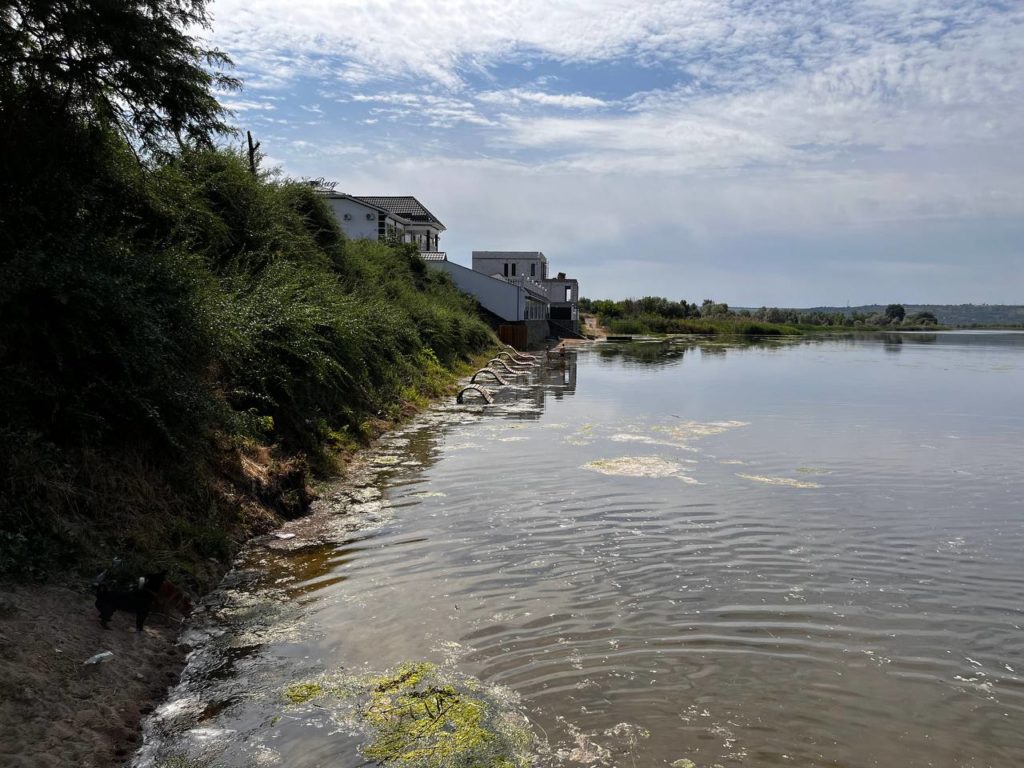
778	553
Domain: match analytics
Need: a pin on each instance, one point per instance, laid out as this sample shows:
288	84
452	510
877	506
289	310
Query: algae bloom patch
638	466
420	716
694	430
784	481
300	693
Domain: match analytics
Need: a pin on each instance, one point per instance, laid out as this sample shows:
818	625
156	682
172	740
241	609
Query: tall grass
166	319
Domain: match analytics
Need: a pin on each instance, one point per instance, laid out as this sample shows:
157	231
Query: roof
406	206
434	255
509	255
364	201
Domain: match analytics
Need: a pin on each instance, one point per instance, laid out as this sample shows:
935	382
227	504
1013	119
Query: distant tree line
656	314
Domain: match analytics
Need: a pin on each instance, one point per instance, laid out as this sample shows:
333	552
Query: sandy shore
57	711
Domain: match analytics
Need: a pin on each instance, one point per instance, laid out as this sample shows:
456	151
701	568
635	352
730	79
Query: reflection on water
785	552
525	400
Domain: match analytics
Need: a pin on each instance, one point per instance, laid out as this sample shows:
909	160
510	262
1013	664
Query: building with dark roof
395	218
422	228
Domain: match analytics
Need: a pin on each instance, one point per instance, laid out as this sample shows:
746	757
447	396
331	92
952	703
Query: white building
532	264
362	221
509	301
513	286
530	268
396	218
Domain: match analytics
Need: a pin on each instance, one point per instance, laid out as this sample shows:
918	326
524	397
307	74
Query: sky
758	152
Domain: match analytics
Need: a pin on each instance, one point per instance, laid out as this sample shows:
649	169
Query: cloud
434	41
756	82
242	105
684	132
438	111
517	96
791	239
732	43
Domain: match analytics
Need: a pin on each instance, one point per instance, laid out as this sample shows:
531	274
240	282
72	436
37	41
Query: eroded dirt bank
54	709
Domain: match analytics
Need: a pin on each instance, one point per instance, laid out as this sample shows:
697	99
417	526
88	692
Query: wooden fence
516	335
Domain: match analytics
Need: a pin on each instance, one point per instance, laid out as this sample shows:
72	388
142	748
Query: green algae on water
419	716
300	693
419	719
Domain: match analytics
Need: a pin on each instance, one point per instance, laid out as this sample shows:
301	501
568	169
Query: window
568	293
513	269
506	269
533	269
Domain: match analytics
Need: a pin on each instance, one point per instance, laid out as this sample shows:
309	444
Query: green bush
163	309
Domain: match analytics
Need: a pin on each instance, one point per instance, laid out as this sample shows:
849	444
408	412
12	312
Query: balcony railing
529	284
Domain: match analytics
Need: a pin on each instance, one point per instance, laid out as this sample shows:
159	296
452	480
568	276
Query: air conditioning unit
347	217
370	217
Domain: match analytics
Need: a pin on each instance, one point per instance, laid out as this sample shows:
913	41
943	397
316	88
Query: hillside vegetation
181	343
181	339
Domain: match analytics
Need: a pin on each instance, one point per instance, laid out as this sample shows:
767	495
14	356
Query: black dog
137	601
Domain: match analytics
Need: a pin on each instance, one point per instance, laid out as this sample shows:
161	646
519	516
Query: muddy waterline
786	553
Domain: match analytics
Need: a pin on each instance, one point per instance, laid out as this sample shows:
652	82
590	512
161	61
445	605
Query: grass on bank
182	343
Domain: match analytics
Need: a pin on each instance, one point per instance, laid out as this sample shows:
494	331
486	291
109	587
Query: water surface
785	553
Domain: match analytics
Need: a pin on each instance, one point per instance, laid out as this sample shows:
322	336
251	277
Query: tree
923	318
895	313
128	64
106	335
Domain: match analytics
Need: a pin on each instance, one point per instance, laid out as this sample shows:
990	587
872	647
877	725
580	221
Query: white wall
556	290
358	227
505	300
493	263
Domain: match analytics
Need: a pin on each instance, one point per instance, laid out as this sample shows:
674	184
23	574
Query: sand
55	711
